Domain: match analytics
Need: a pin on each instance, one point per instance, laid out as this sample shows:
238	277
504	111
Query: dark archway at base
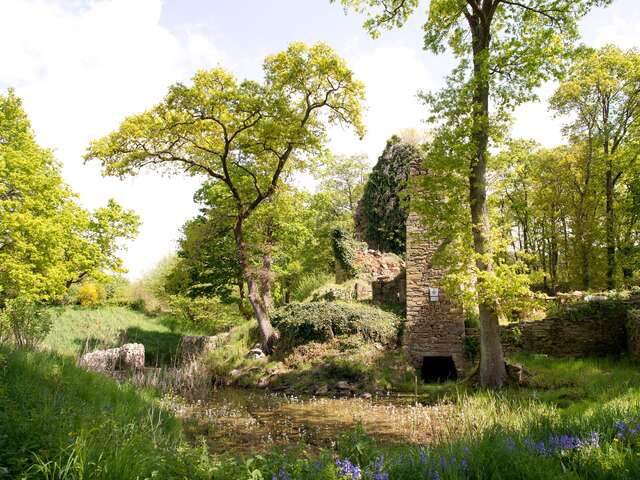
438	369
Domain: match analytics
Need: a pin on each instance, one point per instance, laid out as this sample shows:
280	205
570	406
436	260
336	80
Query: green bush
205	314
344	251
301	323
24	322
308	284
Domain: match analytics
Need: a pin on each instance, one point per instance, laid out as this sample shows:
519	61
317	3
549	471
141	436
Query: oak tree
245	135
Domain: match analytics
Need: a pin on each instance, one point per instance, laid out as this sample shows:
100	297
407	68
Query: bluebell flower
348	469
281	475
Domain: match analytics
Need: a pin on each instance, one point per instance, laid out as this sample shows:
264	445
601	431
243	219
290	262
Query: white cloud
393	76
80	71
623	32
533	120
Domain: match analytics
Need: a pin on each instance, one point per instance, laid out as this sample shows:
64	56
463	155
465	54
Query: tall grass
58	421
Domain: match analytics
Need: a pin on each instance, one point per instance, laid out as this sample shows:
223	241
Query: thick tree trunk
266	280
492	366
267	334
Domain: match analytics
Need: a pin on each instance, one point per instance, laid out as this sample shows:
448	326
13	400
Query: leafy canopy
245	134
47	241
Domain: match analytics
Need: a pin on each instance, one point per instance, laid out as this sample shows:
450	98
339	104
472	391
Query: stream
255	421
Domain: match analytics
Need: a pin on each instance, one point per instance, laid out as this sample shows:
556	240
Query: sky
82	66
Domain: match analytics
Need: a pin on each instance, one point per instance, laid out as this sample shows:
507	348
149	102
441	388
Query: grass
58	421
518	433
77	330
577	419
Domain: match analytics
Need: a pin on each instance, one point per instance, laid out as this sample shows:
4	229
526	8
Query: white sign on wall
434	294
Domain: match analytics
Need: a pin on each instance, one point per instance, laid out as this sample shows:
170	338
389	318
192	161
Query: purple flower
281	475
348	469
378	473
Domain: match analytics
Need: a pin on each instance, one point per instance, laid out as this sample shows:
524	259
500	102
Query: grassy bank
577	418
60	422
77	330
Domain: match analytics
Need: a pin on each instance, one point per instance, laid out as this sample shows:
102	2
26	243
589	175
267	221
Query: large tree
47	241
244	135
506	49
602	91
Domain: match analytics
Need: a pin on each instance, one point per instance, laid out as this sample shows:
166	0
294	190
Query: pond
254	421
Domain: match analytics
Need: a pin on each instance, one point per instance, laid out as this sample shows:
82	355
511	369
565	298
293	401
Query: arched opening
438	369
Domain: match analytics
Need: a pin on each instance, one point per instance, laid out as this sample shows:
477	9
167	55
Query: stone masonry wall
565	336
390	292
434	326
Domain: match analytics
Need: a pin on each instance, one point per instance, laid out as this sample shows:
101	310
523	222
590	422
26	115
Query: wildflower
511	445
348	469
281	475
378	473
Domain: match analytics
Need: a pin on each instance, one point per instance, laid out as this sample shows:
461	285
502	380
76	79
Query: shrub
25	322
308	284
300	323
331	292
206	314
89	295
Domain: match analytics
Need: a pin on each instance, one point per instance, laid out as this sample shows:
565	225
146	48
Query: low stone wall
633	334
570	335
390	292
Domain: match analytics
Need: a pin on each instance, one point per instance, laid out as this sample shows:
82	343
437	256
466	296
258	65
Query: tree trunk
610	229
492	366
265	274
268	335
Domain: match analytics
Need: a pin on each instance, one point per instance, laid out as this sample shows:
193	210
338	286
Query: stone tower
434	330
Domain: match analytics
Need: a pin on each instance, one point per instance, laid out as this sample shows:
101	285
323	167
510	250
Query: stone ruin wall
434	325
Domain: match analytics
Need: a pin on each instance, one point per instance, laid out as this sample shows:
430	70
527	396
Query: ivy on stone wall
344	251
380	216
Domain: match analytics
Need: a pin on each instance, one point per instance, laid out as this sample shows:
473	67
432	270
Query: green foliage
59	421
344	251
205	314
48	241
381	216
471	347
330	292
309	283
300	323
24	322
603	309
342	181
601	95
